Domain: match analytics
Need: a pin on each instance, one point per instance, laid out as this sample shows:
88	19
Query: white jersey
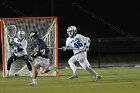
79	42
20	44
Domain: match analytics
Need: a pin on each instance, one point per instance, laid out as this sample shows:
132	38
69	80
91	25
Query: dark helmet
34	35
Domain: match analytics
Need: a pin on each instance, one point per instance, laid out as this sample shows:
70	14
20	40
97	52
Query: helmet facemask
21	35
71	31
33	35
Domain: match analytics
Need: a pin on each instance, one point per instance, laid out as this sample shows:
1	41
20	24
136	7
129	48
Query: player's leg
49	68
85	64
44	66
10	61
35	74
29	66
39	62
71	62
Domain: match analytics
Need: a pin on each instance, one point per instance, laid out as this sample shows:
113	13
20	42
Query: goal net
47	29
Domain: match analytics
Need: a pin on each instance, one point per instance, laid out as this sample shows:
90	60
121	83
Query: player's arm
21	45
34	52
11	42
35	49
64	48
43	49
86	41
39	48
67	46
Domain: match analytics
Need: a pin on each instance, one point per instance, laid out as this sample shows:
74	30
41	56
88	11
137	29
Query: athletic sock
73	67
8	72
31	74
34	81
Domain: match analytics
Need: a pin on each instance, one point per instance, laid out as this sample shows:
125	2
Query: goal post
47	28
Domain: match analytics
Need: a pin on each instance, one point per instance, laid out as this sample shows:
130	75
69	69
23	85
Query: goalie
80	45
40	56
18	51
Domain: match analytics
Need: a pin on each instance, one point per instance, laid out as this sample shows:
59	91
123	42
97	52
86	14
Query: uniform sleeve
86	40
67	42
24	44
42	44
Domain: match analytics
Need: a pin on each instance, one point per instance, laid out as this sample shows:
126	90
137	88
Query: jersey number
78	44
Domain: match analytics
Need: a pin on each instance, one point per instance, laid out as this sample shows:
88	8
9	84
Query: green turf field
114	80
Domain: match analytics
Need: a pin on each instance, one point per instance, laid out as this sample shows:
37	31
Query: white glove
86	48
64	48
42	51
15	49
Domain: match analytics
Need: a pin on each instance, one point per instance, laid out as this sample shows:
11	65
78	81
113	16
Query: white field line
95	84
61	78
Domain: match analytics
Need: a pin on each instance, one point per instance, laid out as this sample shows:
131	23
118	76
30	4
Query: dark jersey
40	48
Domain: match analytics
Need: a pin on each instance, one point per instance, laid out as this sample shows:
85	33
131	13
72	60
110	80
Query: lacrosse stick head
11	31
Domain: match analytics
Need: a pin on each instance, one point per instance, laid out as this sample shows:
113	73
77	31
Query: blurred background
112	26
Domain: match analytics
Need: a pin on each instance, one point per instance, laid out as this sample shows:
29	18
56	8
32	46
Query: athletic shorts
43	62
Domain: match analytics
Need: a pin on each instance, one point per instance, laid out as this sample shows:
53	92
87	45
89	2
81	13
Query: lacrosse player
40	56
80	45
18	51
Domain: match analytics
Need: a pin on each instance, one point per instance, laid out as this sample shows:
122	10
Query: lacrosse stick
11	31
67	49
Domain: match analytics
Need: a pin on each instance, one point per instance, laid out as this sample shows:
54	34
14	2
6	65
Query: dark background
112	25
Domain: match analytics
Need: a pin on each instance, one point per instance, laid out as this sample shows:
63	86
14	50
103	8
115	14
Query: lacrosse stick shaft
67	49
54	48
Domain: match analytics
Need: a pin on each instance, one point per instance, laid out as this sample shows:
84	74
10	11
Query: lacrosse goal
47	28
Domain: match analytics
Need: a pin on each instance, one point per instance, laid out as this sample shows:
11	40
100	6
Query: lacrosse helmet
21	35
34	35
71	31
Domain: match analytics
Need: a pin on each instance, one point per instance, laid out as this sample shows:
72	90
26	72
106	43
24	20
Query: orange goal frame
29	18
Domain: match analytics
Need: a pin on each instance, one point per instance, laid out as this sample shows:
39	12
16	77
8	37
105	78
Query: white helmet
71	31
72	28
21	34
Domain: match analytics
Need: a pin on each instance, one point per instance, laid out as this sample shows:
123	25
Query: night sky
89	16
93	18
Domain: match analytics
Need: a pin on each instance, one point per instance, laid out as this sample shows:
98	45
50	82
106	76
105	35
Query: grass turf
114	80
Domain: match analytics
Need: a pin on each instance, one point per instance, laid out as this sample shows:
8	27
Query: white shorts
81	58
43	62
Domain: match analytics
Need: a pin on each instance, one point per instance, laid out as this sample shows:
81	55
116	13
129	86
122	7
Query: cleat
32	84
54	68
98	77
73	76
